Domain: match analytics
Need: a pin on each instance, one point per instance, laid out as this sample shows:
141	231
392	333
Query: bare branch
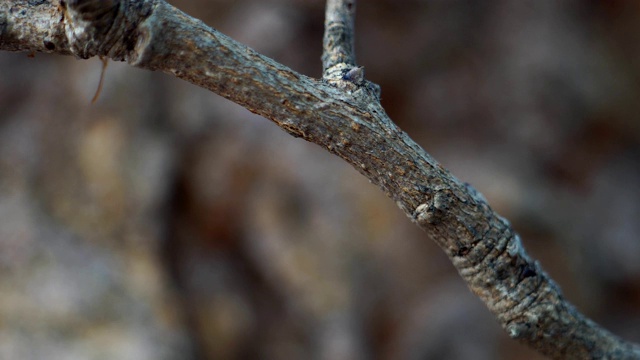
32	28
338	55
338	41
344	116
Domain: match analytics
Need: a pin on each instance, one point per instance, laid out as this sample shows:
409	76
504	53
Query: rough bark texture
341	113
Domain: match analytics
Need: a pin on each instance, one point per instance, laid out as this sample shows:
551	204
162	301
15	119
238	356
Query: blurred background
164	222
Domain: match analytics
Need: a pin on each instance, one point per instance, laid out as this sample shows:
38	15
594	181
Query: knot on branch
103	27
87	24
435	209
351	78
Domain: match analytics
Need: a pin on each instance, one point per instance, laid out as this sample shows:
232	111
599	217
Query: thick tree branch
341	113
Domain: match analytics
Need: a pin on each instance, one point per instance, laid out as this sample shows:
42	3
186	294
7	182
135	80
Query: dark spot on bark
527	271
130	44
502	274
463	251
49	45
3	23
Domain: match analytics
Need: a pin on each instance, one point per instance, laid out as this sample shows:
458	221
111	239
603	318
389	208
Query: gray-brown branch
341	113
338	42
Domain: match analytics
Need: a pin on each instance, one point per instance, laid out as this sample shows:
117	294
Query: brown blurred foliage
164	222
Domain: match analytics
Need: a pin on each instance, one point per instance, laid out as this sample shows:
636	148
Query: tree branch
338	55
338	41
341	113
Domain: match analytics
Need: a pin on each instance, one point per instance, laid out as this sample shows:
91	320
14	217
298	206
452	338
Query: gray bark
341	113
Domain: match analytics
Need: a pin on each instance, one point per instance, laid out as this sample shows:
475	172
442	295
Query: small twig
105	62
338	56
338	42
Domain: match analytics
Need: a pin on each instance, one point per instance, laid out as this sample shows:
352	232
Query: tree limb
341	113
338	41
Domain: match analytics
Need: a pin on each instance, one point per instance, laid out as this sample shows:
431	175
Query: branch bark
341	113
339	40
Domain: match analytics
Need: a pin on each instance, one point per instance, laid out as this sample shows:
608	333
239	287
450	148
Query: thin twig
338	41
105	62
